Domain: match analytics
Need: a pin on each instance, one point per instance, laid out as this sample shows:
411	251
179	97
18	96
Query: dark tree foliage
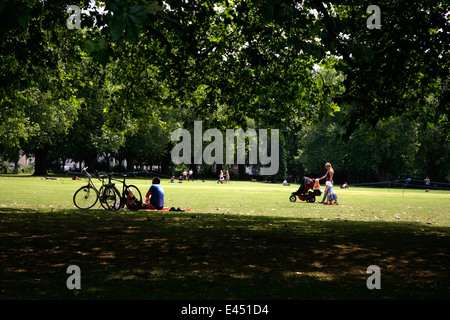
232	62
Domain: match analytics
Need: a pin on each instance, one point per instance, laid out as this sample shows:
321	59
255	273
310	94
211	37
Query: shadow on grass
156	255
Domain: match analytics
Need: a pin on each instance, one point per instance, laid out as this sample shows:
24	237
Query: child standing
331	195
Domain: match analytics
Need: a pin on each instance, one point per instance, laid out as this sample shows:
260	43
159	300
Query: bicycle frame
124	186
124	195
92	185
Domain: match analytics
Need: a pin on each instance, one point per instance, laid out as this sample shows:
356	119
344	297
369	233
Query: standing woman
328	177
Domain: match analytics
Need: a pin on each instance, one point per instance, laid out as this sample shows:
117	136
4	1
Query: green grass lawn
239	241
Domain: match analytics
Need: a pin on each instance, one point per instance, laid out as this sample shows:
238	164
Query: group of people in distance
223	177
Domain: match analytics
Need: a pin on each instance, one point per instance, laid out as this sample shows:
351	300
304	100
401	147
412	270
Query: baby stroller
305	193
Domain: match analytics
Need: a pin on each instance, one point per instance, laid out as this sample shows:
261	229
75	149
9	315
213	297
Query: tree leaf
117	26
22	14
138	15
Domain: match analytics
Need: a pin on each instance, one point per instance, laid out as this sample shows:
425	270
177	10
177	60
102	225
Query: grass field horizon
240	240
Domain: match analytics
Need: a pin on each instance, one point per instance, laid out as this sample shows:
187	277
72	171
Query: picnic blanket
163	209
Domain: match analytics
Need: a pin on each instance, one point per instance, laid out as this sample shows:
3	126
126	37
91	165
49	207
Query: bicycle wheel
110	198
133	198
85	197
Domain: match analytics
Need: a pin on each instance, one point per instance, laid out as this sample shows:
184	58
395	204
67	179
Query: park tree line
373	102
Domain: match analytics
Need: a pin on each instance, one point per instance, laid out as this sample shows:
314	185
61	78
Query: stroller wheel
311	199
293	198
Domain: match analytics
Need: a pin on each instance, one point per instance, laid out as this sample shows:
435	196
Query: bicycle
112	199
87	196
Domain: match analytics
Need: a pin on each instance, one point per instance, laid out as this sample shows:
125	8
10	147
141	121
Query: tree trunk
383	169
165	164
16	167
130	163
40	165
241	171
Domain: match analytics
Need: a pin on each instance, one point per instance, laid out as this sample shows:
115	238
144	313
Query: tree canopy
165	64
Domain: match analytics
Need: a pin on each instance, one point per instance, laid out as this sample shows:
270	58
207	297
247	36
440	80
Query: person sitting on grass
154	199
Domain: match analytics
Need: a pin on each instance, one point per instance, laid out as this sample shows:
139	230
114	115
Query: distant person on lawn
154	199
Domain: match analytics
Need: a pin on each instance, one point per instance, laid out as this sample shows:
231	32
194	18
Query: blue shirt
157	196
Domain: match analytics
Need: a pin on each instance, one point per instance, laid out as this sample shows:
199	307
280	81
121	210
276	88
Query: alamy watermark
374	21
74	280
258	145
74	20
374	281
